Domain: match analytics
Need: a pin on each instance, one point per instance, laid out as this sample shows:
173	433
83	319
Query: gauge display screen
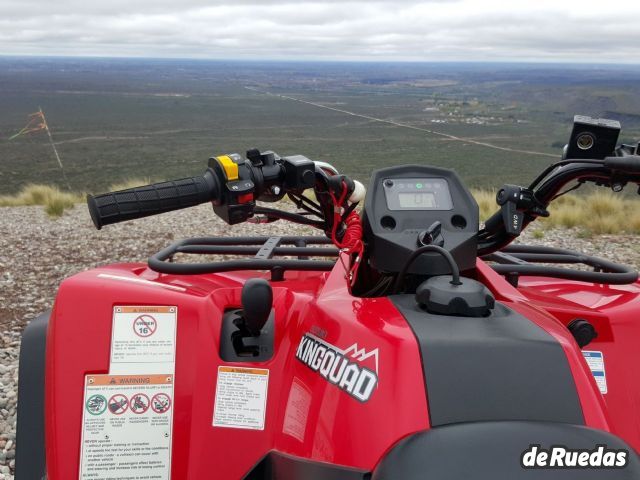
417	200
417	194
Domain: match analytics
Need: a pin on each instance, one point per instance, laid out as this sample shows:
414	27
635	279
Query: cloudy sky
451	30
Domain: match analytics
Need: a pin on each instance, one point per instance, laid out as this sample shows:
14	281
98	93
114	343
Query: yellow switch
229	166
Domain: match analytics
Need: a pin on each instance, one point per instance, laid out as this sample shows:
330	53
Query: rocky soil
37	252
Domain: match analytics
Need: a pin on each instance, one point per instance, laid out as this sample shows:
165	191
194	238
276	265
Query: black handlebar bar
152	199
625	164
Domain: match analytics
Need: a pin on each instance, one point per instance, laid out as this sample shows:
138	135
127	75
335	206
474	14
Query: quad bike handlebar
231	183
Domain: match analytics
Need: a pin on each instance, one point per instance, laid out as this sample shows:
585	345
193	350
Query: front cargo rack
275	254
518	260
264	254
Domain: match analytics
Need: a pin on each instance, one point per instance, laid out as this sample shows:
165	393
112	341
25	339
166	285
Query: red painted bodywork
338	428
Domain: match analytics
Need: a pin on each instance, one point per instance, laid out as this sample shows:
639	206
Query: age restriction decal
143	339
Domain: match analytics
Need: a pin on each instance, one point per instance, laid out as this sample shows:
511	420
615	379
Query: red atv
403	344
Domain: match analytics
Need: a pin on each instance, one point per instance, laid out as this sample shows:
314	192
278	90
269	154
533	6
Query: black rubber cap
582	331
468	299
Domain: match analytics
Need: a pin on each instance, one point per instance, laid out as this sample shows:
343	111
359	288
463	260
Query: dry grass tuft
487	202
52	198
599	213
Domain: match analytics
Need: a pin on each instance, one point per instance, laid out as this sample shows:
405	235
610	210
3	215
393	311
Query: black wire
562	163
575	187
380	287
386	284
292	217
348	210
306	199
300	204
310	206
455	271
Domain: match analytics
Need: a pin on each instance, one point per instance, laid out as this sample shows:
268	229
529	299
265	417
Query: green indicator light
418	185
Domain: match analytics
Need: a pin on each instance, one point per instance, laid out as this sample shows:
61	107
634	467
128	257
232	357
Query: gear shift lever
257	301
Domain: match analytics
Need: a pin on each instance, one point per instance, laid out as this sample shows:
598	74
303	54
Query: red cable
352	238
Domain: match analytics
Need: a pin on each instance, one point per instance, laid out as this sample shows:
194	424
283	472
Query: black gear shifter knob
257	301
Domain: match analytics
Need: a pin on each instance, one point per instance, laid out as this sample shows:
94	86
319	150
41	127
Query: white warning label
126	427
143	340
296	412
241	398
595	360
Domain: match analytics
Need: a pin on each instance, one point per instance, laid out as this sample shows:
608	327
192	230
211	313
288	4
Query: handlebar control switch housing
236	200
299	173
261	176
514	202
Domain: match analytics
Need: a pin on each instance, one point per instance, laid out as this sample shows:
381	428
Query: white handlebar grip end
358	192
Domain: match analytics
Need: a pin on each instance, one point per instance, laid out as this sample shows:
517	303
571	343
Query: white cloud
540	30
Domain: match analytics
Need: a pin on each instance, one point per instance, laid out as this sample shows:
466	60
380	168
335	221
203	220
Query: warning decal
143	340
296	412
124	437
241	398
595	360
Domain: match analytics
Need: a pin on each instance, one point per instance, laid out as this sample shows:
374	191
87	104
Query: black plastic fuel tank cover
467	298
495	368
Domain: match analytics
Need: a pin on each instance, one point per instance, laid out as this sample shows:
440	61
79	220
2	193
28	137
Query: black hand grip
151	199
625	164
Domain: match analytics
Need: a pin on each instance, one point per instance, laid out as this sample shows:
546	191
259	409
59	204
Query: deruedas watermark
562	457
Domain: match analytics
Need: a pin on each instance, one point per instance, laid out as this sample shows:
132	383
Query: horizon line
320	60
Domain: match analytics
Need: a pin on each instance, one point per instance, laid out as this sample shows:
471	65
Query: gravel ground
37	252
